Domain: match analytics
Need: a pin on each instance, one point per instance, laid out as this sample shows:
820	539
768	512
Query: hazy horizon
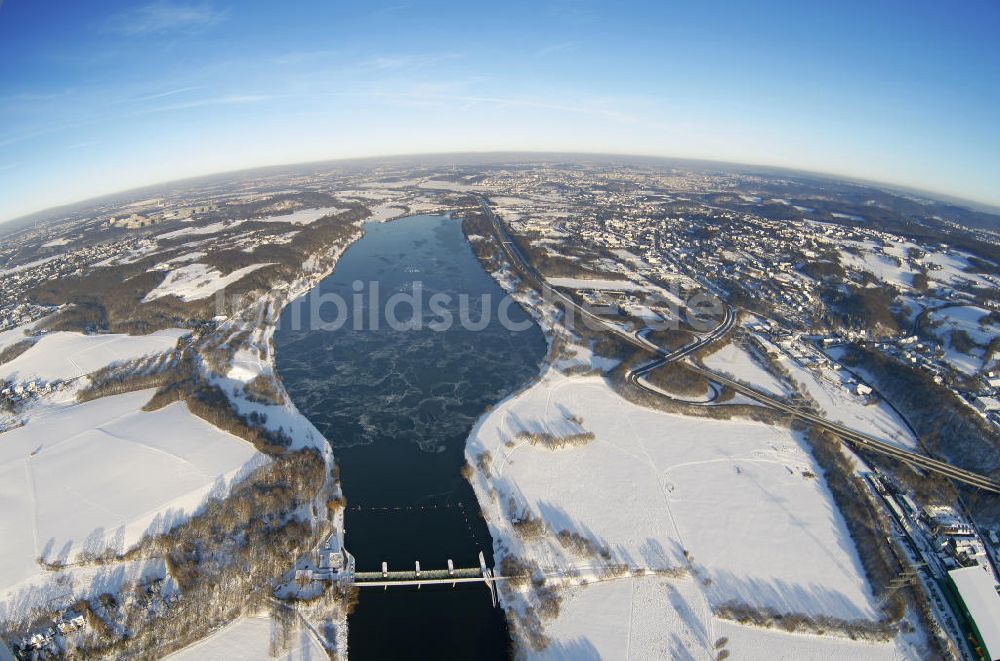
491	157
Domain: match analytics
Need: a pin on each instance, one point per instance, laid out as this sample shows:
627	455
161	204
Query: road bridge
857	438
854	437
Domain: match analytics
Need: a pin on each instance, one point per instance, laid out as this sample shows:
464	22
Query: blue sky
100	96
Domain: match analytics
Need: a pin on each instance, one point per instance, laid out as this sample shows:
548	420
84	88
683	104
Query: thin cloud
300	57
552	49
154	96
32	134
163	17
49	129
398	62
82	145
160	95
35	97
214	101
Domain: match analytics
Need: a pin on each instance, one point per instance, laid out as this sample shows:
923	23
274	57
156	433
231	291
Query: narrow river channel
398	406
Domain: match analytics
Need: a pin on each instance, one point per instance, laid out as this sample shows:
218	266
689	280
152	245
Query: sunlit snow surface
197	281
88	476
250	639
744	499
66	355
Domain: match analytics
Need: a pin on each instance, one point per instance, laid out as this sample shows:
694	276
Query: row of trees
210	403
14	350
224	560
802	623
870	531
139	374
945	424
556	441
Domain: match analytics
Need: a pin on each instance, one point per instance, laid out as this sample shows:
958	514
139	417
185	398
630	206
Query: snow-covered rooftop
978	590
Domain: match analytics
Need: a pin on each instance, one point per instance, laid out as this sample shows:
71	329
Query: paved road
855	437
728	321
515	255
664	356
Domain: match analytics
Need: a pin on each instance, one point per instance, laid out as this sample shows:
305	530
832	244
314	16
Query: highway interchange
664	356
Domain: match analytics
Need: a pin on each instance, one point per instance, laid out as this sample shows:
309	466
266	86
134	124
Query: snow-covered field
736	362
635	260
98	474
250	639
213	228
383	213
967	363
882	267
578	356
650	617
180	259
753	643
437	184
966	318
302	216
81	478
825	386
847	216
16	334
654	617
196	281
66	355
952	266
29	265
736	503
945	268
596	283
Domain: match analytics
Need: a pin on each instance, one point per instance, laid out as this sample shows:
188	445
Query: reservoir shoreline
397	407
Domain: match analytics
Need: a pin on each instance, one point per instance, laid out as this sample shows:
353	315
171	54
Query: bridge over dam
418	577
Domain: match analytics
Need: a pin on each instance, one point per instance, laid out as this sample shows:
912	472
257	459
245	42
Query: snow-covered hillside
197	281
65	355
737	509
740	365
83	477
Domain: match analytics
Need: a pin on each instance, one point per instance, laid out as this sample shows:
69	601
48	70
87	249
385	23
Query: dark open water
398	407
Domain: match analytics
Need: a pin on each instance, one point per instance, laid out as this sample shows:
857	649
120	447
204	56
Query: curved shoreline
352	393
